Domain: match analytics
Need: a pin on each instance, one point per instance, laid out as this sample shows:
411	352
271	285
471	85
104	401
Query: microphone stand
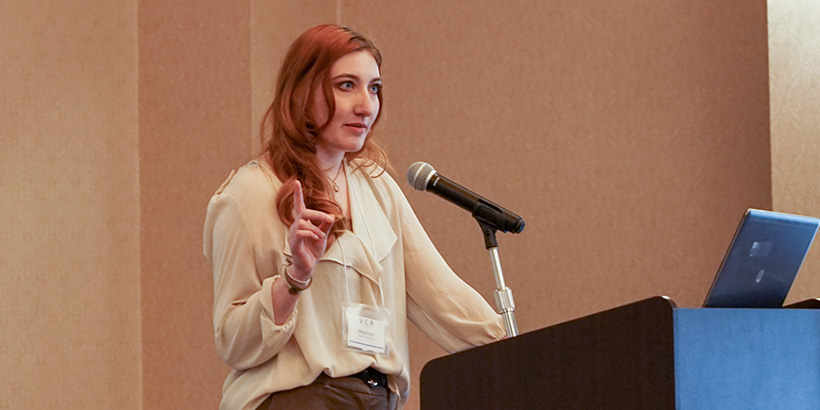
503	294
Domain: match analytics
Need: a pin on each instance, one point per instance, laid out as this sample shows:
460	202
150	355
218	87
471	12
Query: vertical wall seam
250	74
140	328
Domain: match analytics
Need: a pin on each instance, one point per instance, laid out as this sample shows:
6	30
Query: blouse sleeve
244	329
442	305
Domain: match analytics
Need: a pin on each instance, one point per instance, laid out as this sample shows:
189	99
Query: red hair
289	130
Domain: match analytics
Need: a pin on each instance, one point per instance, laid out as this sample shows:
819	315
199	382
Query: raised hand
307	236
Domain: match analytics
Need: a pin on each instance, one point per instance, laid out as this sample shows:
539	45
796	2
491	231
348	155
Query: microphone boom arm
490	217
503	295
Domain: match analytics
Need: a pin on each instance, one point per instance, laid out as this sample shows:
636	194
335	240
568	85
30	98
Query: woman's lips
358	127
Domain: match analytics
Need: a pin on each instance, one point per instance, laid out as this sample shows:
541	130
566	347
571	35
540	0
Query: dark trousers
327	393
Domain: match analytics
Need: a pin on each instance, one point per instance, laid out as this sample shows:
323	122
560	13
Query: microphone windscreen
418	174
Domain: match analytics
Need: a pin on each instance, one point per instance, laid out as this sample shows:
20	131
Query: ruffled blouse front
386	250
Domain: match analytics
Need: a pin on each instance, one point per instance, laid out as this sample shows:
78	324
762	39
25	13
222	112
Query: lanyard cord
352	190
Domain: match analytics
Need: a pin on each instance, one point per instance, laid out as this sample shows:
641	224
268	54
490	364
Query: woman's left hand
307	236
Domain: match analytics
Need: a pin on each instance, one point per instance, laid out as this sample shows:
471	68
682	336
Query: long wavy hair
289	129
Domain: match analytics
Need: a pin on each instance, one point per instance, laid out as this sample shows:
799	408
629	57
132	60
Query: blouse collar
372	237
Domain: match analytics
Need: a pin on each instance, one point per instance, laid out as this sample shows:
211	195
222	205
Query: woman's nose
365	104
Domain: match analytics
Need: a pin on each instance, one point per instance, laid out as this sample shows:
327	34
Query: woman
318	258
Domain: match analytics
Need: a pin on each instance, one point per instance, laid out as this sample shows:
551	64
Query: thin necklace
333	181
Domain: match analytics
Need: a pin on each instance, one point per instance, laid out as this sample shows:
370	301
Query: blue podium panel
747	359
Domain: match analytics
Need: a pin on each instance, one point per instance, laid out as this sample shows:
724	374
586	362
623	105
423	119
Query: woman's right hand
307	236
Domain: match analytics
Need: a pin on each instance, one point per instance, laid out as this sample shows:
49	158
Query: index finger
298	199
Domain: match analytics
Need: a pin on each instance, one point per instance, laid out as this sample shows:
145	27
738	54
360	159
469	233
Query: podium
645	355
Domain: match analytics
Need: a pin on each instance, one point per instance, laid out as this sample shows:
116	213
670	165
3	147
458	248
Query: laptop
762	261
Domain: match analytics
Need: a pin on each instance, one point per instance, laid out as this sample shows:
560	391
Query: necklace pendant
333	181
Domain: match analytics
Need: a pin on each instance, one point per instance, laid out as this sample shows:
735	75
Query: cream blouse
246	243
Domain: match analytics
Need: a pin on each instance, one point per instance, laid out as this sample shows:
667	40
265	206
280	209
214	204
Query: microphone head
418	174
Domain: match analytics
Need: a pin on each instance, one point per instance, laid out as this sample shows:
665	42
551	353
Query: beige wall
69	244
794	87
630	136
194	82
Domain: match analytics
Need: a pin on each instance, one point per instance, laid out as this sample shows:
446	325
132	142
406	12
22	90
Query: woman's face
355	81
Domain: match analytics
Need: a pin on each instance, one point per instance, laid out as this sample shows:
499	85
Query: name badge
366	328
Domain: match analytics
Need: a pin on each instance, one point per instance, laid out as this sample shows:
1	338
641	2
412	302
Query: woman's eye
346	85
375	88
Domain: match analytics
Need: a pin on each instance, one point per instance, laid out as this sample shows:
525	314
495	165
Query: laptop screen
763	260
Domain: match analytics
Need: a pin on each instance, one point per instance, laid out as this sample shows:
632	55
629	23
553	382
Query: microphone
423	177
